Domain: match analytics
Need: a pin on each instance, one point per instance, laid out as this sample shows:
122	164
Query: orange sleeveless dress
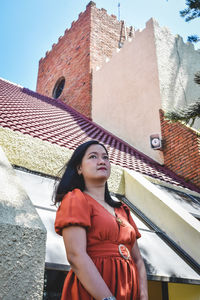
104	235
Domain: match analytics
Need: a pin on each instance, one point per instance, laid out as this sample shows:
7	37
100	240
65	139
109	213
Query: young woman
99	234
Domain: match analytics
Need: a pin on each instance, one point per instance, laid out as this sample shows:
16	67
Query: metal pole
118	11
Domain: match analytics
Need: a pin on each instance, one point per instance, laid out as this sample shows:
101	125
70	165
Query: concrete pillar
22	240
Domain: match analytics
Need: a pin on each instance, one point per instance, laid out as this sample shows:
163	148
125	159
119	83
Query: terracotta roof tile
52	120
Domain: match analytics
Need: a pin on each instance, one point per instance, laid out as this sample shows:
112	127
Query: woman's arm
135	253
82	265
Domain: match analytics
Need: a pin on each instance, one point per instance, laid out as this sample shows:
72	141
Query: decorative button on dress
109	243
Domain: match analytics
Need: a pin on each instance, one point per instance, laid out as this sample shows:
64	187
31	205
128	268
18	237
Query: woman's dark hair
71	180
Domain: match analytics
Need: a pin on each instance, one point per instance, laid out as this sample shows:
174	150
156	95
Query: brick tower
66	71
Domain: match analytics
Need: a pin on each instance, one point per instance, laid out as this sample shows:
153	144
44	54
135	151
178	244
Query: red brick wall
181	150
106	34
85	45
69	58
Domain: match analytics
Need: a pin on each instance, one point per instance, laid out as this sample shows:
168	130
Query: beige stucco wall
177	64
181	226
154	70
126	96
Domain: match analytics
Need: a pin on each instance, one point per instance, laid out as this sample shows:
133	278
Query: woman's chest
106	226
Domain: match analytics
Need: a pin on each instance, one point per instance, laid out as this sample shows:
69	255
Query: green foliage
190	13
197	77
193	39
187	114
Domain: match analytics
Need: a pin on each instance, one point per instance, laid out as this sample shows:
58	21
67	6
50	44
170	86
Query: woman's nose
101	161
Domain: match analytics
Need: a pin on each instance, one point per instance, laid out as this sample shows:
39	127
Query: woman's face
95	165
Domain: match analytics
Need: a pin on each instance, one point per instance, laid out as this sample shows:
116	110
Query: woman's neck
97	192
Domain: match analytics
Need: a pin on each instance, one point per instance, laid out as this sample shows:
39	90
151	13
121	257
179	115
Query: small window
58	88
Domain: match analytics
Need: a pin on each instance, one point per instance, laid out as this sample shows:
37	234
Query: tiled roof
52	120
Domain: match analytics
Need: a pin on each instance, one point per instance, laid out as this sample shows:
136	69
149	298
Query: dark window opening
53	284
58	88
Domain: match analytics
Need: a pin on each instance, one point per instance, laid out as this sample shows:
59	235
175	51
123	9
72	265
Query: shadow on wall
150	269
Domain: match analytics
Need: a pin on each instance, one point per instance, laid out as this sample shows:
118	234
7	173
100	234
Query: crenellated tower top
85	45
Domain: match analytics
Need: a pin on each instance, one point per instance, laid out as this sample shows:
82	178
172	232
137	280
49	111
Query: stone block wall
91	39
181	150
23	238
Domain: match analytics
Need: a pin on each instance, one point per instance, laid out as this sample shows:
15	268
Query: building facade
121	79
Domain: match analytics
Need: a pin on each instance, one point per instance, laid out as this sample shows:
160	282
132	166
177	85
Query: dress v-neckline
114	216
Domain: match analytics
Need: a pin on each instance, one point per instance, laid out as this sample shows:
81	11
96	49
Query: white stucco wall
126	97
177	64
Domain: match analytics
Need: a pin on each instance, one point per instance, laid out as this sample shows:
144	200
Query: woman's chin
102	178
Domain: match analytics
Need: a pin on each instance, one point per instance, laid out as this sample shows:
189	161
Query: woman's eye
105	157
92	156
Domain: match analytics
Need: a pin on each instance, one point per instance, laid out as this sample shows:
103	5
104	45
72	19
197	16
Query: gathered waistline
103	249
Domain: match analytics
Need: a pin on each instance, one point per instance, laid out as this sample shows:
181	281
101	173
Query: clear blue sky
30	27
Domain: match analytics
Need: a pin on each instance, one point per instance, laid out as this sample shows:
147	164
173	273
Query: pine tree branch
186	114
197	78
192	11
